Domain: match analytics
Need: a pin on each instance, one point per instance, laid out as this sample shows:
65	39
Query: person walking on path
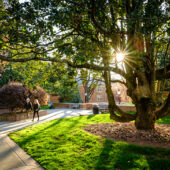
28	107
36	108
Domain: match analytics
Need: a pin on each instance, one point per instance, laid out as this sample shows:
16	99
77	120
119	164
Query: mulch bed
160	137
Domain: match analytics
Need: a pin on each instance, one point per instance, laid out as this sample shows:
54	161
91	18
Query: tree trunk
86	99
165	110
145	119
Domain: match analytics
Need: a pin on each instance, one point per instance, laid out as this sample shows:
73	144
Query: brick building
100	96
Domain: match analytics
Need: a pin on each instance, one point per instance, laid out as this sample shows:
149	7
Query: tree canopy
89	34
55	78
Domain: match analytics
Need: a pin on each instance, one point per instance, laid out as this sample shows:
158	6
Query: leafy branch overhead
89	34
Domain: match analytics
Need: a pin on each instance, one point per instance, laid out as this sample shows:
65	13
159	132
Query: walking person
28	106
36	108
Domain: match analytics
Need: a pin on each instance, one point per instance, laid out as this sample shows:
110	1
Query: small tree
39	94
14	94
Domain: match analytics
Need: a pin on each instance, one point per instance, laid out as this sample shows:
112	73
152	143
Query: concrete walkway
6	127
12	157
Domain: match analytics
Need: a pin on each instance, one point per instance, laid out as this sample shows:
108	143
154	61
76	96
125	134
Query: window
99	98
99	89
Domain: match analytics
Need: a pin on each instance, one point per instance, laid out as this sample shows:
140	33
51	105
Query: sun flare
120	57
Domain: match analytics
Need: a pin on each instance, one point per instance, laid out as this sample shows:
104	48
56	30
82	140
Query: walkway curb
24	159
12	157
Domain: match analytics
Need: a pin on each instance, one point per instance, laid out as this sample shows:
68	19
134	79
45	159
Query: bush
14	95
41	95
72	98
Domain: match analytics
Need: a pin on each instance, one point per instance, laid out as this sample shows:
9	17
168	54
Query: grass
45	107
165	120
63	144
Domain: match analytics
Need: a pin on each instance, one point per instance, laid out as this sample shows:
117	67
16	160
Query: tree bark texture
145	119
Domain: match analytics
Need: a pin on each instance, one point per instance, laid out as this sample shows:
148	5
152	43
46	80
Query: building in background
99	95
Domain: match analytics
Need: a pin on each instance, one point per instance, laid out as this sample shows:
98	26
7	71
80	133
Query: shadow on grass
111	155
91	116
32	137
119	155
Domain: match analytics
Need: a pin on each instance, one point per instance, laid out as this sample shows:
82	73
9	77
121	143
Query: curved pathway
12	157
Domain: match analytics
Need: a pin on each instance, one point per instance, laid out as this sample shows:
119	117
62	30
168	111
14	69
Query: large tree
82	33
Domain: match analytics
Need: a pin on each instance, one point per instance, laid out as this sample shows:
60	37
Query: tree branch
98	26
165	110
160	73
69	63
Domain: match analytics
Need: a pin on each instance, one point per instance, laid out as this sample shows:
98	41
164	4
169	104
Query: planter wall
85	106
19	116
89	106
62	105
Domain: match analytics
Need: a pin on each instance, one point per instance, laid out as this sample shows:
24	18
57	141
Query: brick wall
69	105
61	105
54	99
98	96
123	92
86	106
19	116
89	106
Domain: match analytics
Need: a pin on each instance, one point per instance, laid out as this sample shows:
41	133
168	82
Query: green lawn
165	120
44	107
63	144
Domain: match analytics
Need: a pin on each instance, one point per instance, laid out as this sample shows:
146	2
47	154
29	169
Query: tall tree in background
89	81
87	31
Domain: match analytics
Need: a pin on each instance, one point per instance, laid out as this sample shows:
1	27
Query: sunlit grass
63	144
165	120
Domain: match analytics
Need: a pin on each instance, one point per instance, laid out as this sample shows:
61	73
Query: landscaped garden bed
64	144
127	132
19	116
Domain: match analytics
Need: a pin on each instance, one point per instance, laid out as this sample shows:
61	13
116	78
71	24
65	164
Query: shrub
41	95
14	94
